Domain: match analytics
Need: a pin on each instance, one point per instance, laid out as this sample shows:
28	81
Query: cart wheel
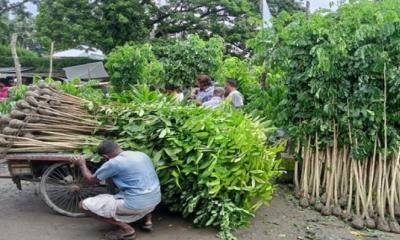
62	188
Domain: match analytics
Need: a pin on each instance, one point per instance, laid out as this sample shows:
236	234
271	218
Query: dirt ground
24	216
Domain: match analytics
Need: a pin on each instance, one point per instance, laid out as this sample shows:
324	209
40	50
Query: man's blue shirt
134	175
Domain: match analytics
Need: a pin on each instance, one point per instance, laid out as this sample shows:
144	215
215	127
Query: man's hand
78	160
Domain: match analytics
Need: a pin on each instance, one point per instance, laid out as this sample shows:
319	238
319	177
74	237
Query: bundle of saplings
47	120
214	165
343	109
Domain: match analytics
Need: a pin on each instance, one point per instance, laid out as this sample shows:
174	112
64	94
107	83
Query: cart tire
62	188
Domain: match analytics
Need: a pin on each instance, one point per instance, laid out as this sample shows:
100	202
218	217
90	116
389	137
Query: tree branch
13	6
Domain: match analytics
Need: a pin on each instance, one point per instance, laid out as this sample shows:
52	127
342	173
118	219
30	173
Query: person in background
179	94
134	174
205	90
234	95
174	91
4	91
216	100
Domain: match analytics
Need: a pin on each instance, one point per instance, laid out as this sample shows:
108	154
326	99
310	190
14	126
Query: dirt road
24	216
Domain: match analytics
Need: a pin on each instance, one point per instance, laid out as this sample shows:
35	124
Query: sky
315	4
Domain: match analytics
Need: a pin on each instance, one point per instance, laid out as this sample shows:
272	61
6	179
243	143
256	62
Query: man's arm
87	175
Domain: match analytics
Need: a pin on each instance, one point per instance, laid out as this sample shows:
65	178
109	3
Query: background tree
102	23
233	20
106	24
68	22
16	6
290	6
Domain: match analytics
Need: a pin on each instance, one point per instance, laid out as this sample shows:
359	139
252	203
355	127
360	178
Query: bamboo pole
51	60
17	64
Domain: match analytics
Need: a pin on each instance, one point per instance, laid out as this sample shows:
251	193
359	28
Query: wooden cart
61	184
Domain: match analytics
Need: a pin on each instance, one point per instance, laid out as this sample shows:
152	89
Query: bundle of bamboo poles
48	120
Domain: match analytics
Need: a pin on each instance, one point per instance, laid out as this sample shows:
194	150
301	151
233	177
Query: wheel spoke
64	186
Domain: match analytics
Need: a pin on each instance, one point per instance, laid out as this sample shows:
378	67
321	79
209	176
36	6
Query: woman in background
205	90
4	91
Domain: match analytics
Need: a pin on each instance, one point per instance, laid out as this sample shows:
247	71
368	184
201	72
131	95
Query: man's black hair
108	147
232	82
170	87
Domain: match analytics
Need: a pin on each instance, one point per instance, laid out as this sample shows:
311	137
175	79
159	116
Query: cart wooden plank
54	157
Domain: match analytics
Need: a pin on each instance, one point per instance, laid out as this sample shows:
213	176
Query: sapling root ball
382	225
4	120
43	104
44	92
326	211
35	119
343	201
318	206
297	193
304	202
357	222
42	85
324	198
32	94
23	104
33	88
32	101
10	131
3	142
397	211
15	123
54	103
337	211
46	112
312	201
29	135
17	115
27	111
372	214
370	223
394	226
346	215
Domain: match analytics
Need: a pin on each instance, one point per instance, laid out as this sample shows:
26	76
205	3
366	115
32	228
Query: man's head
219	92
203	81
230	85
108	149
170	88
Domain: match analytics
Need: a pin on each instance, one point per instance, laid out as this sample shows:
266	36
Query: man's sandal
118	235
146	227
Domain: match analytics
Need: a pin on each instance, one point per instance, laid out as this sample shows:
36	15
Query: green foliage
184	59
87	90
246	75
106	24
5	51
269	103
133	64
15	94
214	166
334	65
290	6
68	23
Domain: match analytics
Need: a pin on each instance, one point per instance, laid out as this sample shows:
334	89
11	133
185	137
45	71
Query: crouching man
139	190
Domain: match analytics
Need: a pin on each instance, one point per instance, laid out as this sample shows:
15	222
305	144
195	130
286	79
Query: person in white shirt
175	91
216	100
234	96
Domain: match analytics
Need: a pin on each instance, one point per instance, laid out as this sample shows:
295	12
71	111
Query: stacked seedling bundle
214	166
343	109
47	120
